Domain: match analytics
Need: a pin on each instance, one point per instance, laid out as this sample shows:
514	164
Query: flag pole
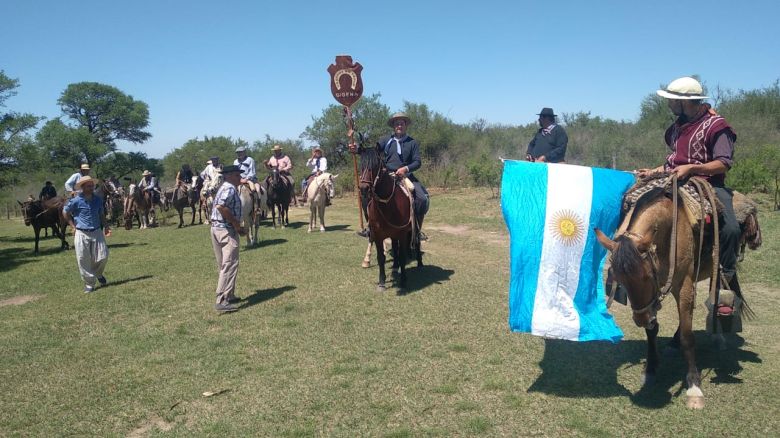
351	134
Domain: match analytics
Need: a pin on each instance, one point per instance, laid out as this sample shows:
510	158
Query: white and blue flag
556	288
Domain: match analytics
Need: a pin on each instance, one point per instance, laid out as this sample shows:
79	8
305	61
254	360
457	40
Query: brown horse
280	194
389	215
642	258
137	204
187	195
44	214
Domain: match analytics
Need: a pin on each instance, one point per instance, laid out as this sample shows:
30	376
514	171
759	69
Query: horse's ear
605	241
335	176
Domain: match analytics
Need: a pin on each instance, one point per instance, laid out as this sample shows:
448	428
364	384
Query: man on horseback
149	183
248	172
210	176
317	164
549	143
702	144
402	156
284	164
184	176
70	184
47	192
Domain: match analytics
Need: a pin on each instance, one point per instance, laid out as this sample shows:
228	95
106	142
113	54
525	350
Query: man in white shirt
211	176
316	164
70	184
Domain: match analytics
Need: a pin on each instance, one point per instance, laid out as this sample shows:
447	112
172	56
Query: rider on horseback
318	164
248	172
702	144
149	183
283	163
211	176
402	156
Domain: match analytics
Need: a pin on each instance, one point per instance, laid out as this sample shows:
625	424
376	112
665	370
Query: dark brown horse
187	195
43	214
280	193
389	215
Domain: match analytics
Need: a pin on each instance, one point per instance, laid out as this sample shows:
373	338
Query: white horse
250	218
136	204
317	192
207	195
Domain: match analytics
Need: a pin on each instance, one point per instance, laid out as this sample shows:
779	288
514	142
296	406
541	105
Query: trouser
91	254
225	244
728	233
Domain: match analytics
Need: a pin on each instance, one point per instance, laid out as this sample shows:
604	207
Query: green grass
315	350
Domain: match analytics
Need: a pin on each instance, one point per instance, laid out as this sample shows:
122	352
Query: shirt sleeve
415	162
222	196
69	183
323	164
70	207
251	172
723	150
530	146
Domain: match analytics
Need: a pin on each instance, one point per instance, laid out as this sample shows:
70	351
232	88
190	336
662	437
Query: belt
86	229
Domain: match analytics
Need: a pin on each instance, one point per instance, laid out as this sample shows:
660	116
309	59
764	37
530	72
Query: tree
106	113
13	127
195	152
65	147
329	130
124	164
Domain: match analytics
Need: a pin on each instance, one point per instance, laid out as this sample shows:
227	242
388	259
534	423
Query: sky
248	69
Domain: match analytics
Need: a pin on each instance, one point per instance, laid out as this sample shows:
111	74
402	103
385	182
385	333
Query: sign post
346	85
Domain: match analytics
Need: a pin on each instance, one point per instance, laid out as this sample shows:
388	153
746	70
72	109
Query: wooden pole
351	130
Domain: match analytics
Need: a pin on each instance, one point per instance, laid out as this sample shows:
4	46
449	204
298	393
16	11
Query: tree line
95	116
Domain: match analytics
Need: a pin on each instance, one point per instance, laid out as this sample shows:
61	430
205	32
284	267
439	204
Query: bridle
366	178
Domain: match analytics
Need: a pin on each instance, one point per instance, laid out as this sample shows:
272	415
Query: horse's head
371	163
331	185
635	266
30	208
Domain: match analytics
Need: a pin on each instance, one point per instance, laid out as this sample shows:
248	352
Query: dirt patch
491	237
458	230
153	422
18	301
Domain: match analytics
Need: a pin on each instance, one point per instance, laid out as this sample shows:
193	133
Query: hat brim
668	95
81	182
391	122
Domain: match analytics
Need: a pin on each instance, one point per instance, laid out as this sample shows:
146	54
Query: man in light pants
225	229
84	212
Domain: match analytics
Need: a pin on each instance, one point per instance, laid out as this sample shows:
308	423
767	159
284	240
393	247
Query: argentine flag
556	288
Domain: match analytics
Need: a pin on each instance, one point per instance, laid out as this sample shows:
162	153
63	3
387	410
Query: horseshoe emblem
349	72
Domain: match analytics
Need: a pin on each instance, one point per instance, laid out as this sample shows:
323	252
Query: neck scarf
548	130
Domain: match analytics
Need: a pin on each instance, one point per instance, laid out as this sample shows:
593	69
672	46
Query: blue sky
251	68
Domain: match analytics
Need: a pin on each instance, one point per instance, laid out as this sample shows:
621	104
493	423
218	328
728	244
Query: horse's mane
369	159
626	259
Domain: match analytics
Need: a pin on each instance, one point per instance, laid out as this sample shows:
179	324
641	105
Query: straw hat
83	180
240	149
84	167
316	148
394	117
146	173
685	88
276	148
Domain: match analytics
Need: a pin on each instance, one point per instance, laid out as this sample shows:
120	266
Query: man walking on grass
84	212
225	232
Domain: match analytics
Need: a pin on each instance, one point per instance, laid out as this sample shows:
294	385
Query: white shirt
311	163
71	182
247	168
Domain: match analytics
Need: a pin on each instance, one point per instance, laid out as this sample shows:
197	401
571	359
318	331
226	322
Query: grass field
315	350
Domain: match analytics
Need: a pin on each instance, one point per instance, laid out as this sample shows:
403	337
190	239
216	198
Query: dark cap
230	169
547	112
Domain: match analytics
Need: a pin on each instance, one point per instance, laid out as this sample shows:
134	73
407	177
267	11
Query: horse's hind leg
403	249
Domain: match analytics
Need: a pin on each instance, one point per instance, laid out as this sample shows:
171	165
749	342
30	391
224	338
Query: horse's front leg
312	215
37	230
403	250
694	394
652	356
321	210
367	258
396	258
380	260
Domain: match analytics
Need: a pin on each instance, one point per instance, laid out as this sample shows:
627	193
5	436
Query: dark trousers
729	232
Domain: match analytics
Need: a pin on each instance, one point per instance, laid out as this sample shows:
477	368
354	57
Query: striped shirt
227	195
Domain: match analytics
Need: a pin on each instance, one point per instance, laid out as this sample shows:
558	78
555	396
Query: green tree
195	152
65	147
329	129
13	133
124	164
106	113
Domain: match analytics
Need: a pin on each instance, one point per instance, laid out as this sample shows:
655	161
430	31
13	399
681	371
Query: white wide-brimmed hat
146	173
83	180
686	88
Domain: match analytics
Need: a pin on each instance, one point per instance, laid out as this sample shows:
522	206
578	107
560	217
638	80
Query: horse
280	193
389	215
112	201
318	191
642	262
249	214
207	193
45	214
137	204
187	195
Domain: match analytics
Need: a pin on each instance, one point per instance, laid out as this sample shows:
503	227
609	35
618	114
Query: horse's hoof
695	402
366	264
322	229
380	288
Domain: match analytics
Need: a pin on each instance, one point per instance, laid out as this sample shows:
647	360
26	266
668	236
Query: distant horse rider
549	143
316	164
210	176
149	183
284	164
248	171
70	184
402	156
47	192
184	175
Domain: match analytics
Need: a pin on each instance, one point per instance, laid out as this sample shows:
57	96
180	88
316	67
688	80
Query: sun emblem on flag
567	227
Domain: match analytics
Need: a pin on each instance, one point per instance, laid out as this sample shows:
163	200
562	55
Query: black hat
547	112
48	182
230	169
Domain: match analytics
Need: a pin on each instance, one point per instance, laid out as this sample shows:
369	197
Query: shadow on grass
262	295
126	280
422	277
125	245
589	369
261	243
11	258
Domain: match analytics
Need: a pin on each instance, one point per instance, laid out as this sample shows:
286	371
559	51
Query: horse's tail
626	259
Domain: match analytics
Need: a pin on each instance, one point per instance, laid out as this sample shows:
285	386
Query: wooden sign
346	85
